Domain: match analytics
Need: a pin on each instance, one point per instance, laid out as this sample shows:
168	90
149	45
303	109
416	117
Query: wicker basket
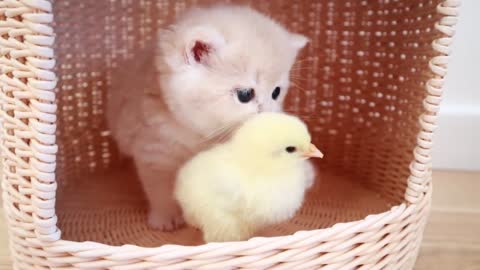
369	85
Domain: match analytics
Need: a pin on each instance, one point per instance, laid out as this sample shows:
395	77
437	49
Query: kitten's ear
298	41
202	43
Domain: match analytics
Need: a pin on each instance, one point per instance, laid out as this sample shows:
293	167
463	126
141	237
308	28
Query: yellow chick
255	179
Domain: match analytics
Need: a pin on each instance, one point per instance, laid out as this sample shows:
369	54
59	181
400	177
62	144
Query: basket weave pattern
369	86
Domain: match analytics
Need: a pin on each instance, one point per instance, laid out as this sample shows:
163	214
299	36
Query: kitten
215	67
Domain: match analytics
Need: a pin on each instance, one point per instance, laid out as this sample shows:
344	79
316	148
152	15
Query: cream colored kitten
216	67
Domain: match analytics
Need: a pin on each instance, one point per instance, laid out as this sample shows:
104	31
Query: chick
255	179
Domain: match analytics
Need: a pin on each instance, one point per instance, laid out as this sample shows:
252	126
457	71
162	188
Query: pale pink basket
369	85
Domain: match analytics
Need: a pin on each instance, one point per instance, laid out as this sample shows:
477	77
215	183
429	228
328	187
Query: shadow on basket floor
110	208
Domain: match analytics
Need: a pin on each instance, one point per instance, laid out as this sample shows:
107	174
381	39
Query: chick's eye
245	95
291	149
276	92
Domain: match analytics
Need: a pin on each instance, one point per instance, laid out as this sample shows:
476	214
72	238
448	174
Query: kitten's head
220	65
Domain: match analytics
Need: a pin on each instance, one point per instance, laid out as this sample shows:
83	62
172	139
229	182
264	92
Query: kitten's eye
245	95
291	149
276	92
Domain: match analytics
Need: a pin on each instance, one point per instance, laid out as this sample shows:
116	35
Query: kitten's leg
164	213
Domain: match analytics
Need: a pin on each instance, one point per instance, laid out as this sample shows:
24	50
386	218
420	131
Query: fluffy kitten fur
202	61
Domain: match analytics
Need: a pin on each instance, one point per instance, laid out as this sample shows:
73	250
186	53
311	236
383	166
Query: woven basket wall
369	85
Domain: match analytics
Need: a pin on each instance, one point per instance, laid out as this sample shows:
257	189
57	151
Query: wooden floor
452	237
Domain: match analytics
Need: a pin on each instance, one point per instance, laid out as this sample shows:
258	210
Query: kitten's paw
165	220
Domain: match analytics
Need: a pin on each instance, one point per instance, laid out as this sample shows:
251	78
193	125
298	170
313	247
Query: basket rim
344	230
379	218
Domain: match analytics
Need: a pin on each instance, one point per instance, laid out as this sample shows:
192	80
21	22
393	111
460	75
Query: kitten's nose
260	108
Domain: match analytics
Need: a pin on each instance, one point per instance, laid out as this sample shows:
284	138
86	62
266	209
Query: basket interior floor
110	208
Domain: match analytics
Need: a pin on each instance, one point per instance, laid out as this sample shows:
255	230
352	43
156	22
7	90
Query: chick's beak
313	152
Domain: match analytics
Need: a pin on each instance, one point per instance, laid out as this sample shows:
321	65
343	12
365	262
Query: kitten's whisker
225	134
221	130
303	115
234	126
300	68
221	137
298	87
298	78
305	60
217	131
220	134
